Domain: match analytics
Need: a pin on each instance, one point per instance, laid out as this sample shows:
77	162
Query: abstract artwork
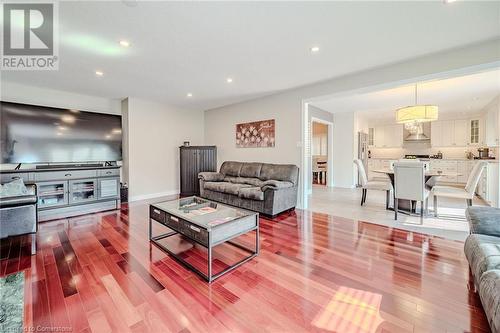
255	134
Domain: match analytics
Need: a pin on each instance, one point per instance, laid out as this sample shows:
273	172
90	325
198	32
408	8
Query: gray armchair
18	216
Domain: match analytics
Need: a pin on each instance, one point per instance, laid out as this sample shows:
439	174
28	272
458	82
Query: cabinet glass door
474	131
51	194
82	190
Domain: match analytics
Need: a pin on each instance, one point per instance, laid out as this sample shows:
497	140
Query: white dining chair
366	184
466	193
409	184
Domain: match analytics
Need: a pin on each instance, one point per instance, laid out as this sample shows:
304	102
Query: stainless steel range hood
421	133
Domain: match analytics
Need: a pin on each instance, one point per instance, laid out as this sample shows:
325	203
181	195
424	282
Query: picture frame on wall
256	134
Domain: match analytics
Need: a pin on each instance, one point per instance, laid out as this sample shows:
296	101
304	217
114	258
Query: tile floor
345	203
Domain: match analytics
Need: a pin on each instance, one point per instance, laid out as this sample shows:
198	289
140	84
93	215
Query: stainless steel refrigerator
362	152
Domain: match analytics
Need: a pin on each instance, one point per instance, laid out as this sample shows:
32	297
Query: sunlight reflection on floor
351	310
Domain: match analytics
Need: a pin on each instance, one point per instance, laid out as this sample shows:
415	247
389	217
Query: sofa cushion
251	170
252	193
489	291
484	220
244	180
225	187
230	168
483	254
285	172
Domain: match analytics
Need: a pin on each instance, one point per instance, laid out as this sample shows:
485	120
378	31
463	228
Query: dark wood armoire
195	159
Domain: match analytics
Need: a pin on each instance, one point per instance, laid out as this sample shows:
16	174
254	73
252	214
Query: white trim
153	195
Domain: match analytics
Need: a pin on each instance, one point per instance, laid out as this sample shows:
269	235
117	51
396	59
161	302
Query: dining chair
409	184
466	193
366	184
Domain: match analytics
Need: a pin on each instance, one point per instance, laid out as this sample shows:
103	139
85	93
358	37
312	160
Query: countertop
439	159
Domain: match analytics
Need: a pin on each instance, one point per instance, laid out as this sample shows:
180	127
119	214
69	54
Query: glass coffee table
207	224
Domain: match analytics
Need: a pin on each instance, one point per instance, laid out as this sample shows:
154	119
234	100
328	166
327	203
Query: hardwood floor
315	272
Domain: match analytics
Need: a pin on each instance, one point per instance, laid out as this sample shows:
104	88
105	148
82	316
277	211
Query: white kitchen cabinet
445	166
491	128
379	137
388	136
493	184
475	132
463	170
460	137
488	185
437	134
449	133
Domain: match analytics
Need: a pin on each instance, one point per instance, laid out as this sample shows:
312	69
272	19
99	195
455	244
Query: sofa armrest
275	185
211	176
483	220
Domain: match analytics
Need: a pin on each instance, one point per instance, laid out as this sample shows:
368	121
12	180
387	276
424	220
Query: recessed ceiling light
124	43
59	133
229	80
62	128
449	1
189	95
108	136
68	118
99	73
315	49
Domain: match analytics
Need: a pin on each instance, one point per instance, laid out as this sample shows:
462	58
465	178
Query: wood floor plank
315	273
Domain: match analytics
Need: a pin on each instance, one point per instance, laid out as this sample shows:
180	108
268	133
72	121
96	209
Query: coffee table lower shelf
210	276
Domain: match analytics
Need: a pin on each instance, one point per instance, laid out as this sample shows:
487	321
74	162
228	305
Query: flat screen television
40	134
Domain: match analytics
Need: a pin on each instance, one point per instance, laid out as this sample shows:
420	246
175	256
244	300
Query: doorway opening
319	152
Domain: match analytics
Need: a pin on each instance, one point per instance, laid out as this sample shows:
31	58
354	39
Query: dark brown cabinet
195	159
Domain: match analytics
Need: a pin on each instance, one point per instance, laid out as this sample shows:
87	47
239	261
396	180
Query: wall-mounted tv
40	134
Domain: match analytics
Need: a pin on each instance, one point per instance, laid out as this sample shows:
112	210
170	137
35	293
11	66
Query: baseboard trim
152	195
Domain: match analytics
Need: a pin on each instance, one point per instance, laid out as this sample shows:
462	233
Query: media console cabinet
71	191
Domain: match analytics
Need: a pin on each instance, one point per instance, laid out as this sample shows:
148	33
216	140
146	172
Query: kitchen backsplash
448	152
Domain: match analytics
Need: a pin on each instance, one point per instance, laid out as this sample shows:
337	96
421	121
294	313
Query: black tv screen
39	134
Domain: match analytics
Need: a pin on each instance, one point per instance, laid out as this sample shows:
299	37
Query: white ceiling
181	47
465	94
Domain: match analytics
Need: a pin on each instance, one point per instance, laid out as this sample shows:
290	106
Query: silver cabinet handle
108	172
173	218
156	211
194	228
67	175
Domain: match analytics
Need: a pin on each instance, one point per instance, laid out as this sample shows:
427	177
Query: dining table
431	177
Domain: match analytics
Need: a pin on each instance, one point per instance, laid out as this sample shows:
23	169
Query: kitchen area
451	124
453	144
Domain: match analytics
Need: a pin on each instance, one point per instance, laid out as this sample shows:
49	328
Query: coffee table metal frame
209	246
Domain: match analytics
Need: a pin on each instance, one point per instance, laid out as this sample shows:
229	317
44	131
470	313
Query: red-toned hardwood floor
98	273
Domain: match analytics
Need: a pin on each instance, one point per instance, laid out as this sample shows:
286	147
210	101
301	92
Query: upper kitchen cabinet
475	130
491	127
388	136
449	133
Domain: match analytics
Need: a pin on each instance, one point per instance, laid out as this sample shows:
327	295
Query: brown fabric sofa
266	188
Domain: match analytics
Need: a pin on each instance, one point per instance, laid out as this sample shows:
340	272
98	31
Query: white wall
343	149
220	130
155	132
